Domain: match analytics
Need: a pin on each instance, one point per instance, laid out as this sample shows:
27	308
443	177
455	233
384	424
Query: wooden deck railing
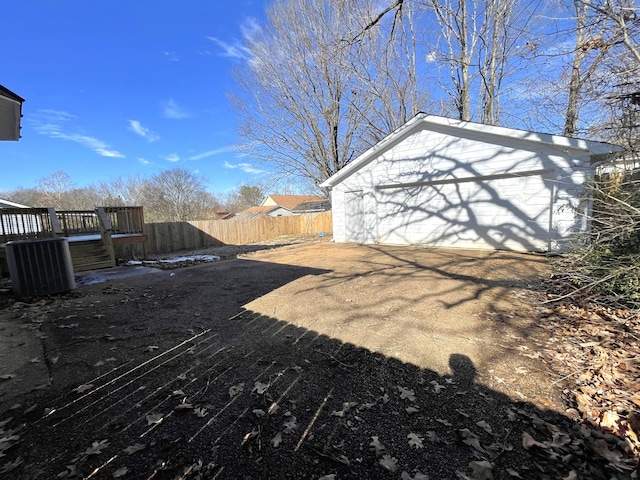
25	224
32	223
126	220
78	222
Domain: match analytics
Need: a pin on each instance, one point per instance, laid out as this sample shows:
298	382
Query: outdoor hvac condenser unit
40	267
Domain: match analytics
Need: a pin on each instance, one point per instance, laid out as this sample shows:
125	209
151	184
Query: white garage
442	182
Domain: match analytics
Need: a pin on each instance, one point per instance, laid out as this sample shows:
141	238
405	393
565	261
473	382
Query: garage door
511	213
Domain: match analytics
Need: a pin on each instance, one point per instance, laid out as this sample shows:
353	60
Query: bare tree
588	55
310	98
121	191
56	190
176	195
242	198
477	43
615	82
31	197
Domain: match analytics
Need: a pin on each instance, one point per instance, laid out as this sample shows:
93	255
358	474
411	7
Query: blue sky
124	87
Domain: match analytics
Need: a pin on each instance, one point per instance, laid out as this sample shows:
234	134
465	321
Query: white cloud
48	122
171	56
211	153
173	157
138	129
54	115
245	167
144	161
172	110
232	50
250	27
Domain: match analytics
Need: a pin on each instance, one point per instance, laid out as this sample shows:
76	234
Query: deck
93	234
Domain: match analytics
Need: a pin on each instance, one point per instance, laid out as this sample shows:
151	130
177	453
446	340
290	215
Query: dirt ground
317	360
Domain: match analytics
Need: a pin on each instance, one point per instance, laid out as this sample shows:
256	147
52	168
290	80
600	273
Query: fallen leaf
121	472
131	449
151	348
290	425
481	470
331	476
471	439
415	440
275	441
436	386
406	393
412	409
389	462
528	441
418	476
236	389
614	456
259	413
513	473
200	412
376	445
154	418
97	447
260	388
7	376
485	426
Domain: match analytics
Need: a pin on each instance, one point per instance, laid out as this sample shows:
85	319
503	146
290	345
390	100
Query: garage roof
424	120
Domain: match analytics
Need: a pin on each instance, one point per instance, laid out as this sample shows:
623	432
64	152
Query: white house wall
529	180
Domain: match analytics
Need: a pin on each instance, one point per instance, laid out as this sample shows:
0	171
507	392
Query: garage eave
422	120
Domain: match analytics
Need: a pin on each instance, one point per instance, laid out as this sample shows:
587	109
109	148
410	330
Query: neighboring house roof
597	150
10	114
314	206
8	204
223	215
256	211
289	201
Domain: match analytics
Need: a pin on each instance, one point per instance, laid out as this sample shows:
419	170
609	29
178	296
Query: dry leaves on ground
595	352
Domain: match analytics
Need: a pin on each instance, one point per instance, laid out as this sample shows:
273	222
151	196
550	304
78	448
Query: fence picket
175	236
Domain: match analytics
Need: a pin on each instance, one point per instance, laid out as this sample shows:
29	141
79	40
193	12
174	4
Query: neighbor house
442	182
280	206
10	114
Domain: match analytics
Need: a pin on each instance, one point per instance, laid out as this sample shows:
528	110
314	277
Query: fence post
106	230
55	222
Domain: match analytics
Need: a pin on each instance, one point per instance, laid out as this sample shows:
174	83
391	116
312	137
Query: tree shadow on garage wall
450	207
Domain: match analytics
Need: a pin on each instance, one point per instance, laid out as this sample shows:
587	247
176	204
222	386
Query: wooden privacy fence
175	236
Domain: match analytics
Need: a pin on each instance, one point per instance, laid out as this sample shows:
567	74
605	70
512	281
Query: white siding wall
430	155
